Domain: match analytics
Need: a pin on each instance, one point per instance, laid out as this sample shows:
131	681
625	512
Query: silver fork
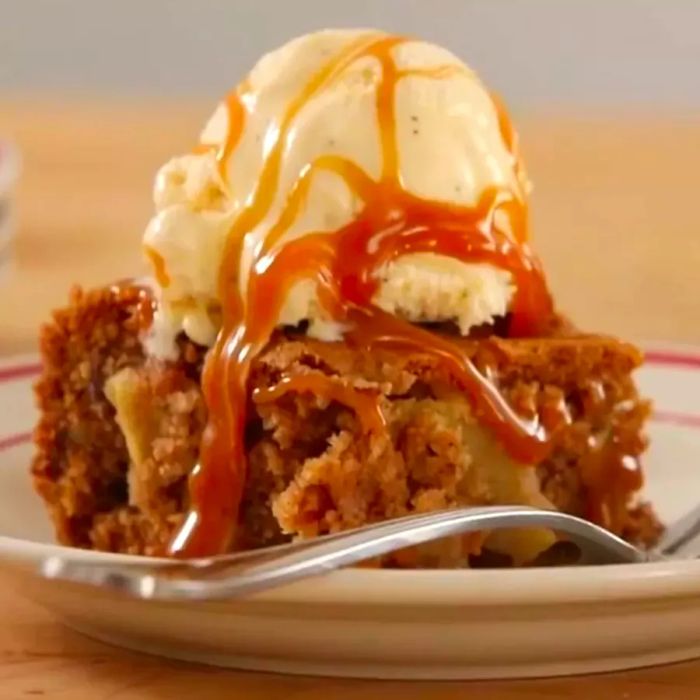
245	573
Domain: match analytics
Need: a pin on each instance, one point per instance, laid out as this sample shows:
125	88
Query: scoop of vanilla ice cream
450	149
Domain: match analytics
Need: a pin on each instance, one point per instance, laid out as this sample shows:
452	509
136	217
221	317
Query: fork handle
231	577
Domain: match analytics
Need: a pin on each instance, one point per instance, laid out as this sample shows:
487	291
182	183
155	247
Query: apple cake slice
119	436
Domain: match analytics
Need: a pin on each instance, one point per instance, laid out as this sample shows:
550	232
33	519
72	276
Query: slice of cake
346	323
120	433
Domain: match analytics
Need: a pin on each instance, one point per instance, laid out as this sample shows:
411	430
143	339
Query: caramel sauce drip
235	115
611	470
342	264
611	474
160	269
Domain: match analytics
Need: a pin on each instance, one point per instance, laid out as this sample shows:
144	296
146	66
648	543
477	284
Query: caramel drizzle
160	269
611	470
343	264
234	104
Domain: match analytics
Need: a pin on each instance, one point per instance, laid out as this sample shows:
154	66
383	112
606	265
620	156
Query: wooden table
615	214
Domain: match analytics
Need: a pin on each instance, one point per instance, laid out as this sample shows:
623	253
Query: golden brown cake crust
313	467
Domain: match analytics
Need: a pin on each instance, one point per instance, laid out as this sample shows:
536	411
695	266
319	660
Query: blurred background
537	52
606	96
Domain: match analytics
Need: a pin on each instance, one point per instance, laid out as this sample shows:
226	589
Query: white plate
401	624
9	172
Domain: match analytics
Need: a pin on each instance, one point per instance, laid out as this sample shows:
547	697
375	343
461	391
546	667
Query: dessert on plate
345	323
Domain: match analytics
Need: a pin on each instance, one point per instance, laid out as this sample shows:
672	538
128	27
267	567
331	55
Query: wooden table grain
615	219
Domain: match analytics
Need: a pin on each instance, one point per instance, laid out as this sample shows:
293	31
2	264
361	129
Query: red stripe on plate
8	374
671	357
686	419
13	440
